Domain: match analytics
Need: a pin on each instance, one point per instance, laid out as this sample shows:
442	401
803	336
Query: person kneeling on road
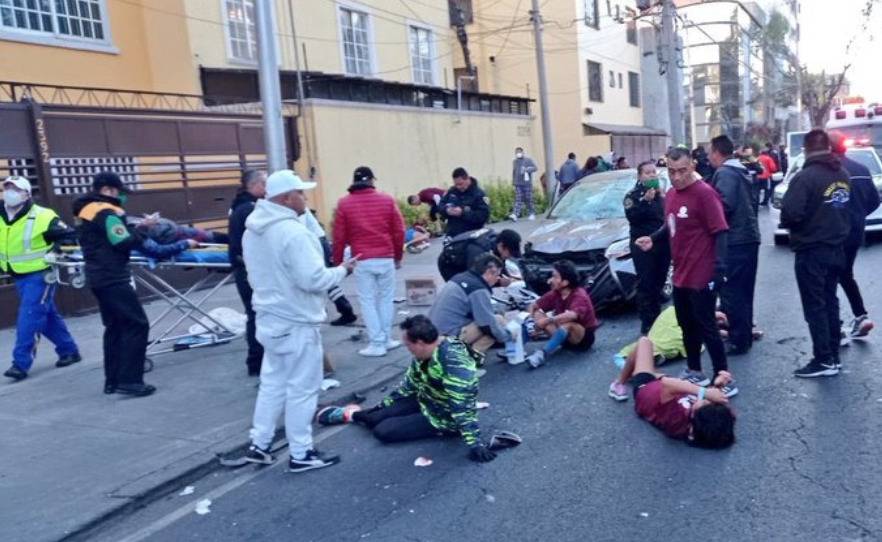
437	396
464	308
681	409
565	313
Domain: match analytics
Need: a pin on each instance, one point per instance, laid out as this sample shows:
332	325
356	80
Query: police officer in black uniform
464	206
645	210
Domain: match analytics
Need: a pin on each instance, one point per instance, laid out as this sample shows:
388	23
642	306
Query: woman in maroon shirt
682	410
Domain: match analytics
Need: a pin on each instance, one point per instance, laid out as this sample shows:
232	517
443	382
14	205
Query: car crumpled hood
557	236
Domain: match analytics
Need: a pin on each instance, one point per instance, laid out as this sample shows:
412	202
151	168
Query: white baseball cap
19	182
284	181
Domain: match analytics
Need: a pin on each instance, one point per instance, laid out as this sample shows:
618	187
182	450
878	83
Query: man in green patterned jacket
436	398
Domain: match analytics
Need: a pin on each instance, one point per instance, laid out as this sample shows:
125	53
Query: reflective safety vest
22	245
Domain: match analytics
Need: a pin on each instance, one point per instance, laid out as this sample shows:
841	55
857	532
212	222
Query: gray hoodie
522	170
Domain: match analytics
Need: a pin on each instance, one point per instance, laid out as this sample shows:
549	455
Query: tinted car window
596	197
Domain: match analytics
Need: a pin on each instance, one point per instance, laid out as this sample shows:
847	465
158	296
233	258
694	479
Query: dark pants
765	188
695	314
125	334
400	422
255	349
736	297
849	285
771	191
817	274
652	272
755	195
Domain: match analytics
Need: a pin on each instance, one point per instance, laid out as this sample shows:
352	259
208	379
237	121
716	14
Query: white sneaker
513	217
372	351
531	217
392	344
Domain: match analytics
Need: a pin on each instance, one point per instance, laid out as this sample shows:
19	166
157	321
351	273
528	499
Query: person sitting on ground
462	251
565	313
431	197
682	410
437	396
464	307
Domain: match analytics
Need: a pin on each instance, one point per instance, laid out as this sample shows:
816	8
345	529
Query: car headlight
618	250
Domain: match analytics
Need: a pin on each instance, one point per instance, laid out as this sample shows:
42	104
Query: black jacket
107	240
734	186
644	217
864	199
241	207
475	206
815	207
57	231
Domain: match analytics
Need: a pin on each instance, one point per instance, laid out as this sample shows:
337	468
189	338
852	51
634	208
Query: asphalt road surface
806	465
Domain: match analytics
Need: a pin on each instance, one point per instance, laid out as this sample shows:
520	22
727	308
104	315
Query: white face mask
519	155
13	198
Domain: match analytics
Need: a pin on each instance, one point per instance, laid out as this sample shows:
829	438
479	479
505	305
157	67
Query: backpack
455	252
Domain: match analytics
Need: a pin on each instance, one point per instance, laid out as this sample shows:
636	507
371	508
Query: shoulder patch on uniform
629	202
116	230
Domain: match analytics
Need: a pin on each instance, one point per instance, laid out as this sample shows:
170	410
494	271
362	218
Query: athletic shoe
258	456
531	217
15	373
815	369
136	390
695	377
838	364
344	319
312	460
861	326
392	344
618	391
373	351
730	389
513	217
536	359
334	415
70	359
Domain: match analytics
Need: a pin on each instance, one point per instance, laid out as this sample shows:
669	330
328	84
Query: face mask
519	155
13	198
123	198
651	183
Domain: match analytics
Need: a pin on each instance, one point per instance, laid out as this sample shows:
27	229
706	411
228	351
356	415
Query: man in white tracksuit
286	269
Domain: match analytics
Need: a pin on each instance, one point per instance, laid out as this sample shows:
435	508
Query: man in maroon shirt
681	409
565	313
371	224
430	196
696	226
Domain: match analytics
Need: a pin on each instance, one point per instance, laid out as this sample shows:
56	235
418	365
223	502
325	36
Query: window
82	20
631	32
612	79
620	80
592	16
421	55
595	82
354	30
634	88
241	29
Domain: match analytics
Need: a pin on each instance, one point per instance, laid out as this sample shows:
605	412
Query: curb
93	527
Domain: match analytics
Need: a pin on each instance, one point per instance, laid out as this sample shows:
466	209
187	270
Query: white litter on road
490	498
422	462
403	313
644	514
481	405
203	507
330	383
187	491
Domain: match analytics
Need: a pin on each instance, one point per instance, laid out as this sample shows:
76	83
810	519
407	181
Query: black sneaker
344	320
815	369
730	389
258	456
311	461
136	390
695	377
15	373
64	361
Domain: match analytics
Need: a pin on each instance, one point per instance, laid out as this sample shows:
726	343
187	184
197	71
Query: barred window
81	19
241	29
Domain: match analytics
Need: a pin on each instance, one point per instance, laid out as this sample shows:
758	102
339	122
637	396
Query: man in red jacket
765	178
371	224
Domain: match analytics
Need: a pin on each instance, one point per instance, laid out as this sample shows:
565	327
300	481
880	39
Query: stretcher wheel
50	276
148	365
78	281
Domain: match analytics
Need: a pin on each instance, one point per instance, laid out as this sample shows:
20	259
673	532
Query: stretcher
184	305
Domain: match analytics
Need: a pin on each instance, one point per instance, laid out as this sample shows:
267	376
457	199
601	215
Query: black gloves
481	454
719	279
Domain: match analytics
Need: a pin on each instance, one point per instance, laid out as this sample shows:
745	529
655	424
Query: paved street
805	467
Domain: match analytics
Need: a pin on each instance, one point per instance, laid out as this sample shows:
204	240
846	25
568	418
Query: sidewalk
71	455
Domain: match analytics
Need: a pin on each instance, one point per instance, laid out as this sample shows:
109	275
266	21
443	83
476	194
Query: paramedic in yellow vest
27	232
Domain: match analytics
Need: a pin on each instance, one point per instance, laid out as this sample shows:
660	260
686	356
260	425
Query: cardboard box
420	292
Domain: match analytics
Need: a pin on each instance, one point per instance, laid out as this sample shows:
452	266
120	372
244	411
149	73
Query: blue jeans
37	316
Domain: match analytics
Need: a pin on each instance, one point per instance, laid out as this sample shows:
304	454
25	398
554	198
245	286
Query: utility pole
674	82
301	94
794	5
270	88
543	101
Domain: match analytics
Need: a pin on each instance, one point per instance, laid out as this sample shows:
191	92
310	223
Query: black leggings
400	422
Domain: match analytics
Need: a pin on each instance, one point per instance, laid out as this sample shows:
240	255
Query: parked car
588	226
865	155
